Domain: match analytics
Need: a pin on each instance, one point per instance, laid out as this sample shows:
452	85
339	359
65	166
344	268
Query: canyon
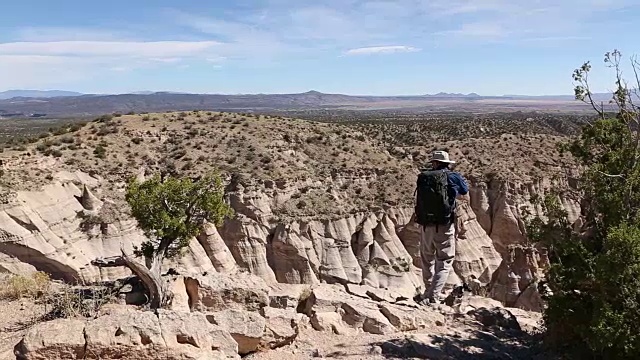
324	212
62	228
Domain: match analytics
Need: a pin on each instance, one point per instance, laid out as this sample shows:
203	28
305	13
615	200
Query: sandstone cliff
64	226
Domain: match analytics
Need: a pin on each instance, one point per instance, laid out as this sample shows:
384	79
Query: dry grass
14	287
68	302
59	300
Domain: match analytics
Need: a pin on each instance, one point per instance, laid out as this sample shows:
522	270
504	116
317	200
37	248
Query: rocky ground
221	319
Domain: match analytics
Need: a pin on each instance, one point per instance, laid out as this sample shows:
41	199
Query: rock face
128	334
217	292
331	309
66	225
515	282
282	327
246	328
52	231
499	207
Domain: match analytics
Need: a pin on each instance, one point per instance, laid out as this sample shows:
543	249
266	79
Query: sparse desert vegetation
250	148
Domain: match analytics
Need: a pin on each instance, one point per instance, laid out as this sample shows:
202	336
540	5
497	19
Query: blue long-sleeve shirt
457	184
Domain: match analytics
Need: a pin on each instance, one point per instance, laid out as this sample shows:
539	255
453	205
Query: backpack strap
454	202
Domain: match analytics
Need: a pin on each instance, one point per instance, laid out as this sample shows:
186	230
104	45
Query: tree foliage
173	210
595	268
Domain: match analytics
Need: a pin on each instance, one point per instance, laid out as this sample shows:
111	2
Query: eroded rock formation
61	228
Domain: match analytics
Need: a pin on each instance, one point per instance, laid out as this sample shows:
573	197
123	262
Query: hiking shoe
429	301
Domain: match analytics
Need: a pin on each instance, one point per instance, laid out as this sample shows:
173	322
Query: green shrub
60	131
100	152
594	309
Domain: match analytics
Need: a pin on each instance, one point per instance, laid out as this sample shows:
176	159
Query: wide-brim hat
441	156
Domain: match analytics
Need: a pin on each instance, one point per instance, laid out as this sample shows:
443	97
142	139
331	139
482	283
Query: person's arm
461	185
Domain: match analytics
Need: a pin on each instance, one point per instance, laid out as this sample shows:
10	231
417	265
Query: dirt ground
15	319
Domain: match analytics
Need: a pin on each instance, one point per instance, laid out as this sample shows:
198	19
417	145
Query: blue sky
383	47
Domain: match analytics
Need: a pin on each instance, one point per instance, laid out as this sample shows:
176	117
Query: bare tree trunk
150	276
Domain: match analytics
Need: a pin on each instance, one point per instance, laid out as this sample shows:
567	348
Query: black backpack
433	206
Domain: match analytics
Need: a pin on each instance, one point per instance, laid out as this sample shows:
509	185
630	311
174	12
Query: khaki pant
437	251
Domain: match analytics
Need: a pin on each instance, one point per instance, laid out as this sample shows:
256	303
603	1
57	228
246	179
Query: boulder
367	316
409	319
282	328
330	322
327	298
529	321
530	299
246	328
356	312
498	317
377	294
192	336
470	303
217	292
287	296
53	340
126	333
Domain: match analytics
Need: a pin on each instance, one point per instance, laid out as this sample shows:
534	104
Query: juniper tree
171	212
594	310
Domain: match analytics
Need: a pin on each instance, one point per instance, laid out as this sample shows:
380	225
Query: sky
382	47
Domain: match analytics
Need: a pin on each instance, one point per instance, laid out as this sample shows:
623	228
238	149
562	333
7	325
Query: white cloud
308	27
520	20
28	71
556	39
120	69
216	60
251	37
52	33
381	50
167	60
459	7
478	30
57	63
152	49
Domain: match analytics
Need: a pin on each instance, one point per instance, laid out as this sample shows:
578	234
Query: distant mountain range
57	103
9	94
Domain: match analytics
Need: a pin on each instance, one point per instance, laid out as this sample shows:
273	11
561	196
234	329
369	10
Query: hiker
436	191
